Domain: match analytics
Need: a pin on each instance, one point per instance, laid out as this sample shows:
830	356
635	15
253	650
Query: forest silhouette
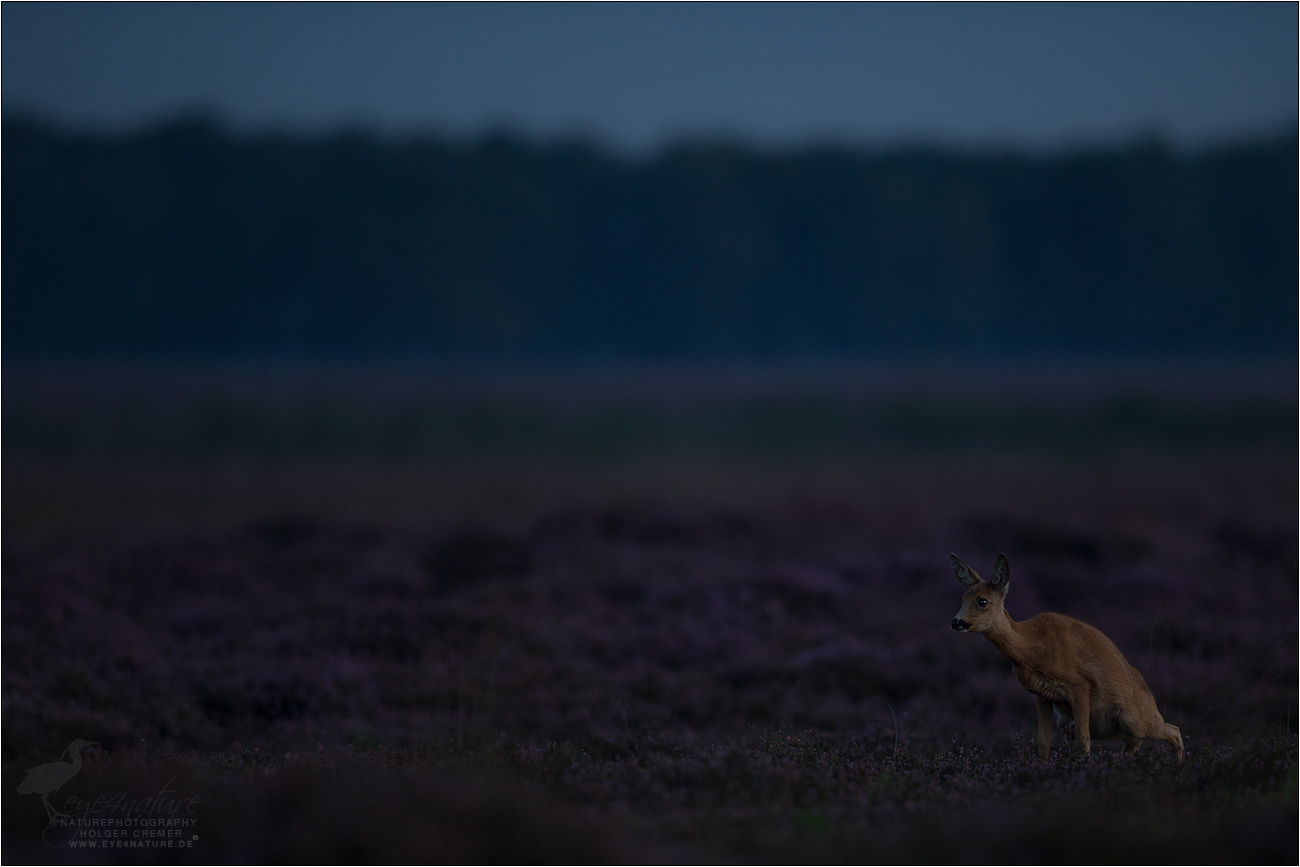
188	241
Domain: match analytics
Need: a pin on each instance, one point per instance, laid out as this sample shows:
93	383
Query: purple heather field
413	628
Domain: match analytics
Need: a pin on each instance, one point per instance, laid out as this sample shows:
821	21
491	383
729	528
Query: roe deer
1070	666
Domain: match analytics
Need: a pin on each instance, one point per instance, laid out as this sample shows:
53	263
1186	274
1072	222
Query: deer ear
1001	572
965	574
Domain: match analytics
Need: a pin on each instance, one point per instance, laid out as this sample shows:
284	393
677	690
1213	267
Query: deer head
981	606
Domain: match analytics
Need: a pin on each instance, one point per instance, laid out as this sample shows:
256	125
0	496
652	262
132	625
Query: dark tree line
186	241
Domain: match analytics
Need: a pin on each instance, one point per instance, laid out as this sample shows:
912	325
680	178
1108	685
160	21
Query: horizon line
382	133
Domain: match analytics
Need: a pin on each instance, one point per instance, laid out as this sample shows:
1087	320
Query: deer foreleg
1080	710
1044	728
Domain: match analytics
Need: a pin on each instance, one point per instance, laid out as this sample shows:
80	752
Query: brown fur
1071	667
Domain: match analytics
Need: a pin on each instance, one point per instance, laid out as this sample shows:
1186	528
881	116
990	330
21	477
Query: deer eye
982	603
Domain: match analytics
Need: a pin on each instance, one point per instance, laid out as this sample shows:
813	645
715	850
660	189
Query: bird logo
50	778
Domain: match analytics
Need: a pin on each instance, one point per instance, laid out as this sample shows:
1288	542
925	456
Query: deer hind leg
1172	734
1120	725
1150	725
1116	727
1044	728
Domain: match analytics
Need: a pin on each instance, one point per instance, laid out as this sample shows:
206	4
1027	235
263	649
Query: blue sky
635	76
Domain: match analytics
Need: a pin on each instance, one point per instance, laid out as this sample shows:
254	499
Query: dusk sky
635	76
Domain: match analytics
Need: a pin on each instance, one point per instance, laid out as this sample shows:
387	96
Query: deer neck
1006	637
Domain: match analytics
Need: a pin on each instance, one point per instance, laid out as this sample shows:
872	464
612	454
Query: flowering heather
673	678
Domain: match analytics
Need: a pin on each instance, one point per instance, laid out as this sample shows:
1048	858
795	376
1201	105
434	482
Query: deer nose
959	625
